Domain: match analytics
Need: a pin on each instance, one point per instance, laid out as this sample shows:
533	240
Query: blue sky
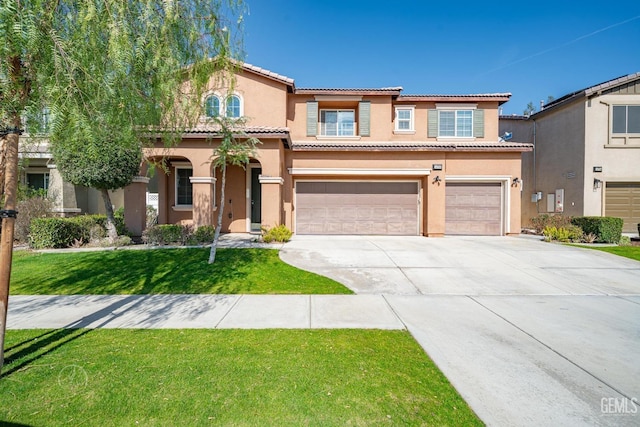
533	50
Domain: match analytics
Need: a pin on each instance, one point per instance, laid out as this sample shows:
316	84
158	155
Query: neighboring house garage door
339	207
622	200
473	209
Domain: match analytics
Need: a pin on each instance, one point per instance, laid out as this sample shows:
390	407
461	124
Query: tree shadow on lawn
153	271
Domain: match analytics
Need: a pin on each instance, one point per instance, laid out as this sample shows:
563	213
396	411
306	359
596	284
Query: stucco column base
271	202
135	205
63	194
203	202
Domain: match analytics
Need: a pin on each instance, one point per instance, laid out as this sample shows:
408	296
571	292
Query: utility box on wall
559	200
551	202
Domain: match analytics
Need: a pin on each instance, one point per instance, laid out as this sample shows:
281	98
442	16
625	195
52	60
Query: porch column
135	205
203	200
271	211
63	194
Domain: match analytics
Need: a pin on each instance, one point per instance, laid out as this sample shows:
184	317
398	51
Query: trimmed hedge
164	234
53	233
607	229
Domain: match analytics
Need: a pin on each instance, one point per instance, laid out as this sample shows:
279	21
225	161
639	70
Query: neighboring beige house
586	157
343	161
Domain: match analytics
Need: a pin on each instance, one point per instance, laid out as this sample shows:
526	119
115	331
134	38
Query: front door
256	199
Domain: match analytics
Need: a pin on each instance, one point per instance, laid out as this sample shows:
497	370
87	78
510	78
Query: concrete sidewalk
201	311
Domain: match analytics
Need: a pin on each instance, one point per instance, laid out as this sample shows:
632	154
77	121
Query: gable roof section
268	74
393	91
599	89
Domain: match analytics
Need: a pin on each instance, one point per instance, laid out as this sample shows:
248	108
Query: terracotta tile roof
500	97
247	129
350	91
270	74
409	146
513	117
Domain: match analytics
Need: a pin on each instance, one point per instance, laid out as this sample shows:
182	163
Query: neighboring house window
233	109
456	123
626	119
212	106
38	181
404	118
337	122
184	188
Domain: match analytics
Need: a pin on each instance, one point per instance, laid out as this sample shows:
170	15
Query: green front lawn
632	252
224	377
163	271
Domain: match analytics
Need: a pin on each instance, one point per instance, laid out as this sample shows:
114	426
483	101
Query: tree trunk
8	225
216	236
111	220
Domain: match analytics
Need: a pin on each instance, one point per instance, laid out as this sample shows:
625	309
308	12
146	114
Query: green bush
543	221
164	234
563	234
118	217
624	241
54	233
607	229
202	235
279	233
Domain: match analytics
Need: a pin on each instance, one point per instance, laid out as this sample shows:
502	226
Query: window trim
626	119
176	205
321	128
222	104
412	110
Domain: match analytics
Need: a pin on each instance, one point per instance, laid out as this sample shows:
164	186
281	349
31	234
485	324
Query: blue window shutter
432	131
364	118
478	123
312	118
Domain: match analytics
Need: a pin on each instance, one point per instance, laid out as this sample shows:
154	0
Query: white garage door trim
505	182
418	195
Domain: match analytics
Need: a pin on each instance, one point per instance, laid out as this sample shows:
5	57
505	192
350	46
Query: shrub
542	221
279	233
28	210
624	241
166	233
607	229
118	217
563	234
54	233
202	235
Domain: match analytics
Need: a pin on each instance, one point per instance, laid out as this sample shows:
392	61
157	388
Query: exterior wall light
596	184
437	179
516	181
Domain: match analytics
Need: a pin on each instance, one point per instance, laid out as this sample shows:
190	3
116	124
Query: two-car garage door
354	207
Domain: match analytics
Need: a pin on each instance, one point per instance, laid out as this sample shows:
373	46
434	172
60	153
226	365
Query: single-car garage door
348	207
622	200
473	209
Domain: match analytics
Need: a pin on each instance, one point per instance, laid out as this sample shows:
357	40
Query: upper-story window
337	122
212	106
626	119
404	119
233	106
456	123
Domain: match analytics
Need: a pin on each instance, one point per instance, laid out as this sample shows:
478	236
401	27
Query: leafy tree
108	70
532	108
235	149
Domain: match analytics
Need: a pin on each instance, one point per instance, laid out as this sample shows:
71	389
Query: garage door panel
622	200
357	208
473	208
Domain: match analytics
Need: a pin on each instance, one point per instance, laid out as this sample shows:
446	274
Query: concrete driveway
530	333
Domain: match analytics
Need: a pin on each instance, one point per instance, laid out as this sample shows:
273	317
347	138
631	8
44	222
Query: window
337	122
212	106
184	188
626	119
404	119
38	181
233	106
456	123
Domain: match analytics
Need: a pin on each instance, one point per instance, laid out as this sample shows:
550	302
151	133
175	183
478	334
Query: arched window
233	106
212	106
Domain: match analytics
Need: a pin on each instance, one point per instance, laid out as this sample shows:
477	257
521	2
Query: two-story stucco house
586	157
343	161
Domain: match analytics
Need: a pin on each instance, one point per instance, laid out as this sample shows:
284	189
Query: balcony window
337	123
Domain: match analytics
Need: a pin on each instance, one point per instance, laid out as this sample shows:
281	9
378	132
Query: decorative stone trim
141	179
270	179
202	180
